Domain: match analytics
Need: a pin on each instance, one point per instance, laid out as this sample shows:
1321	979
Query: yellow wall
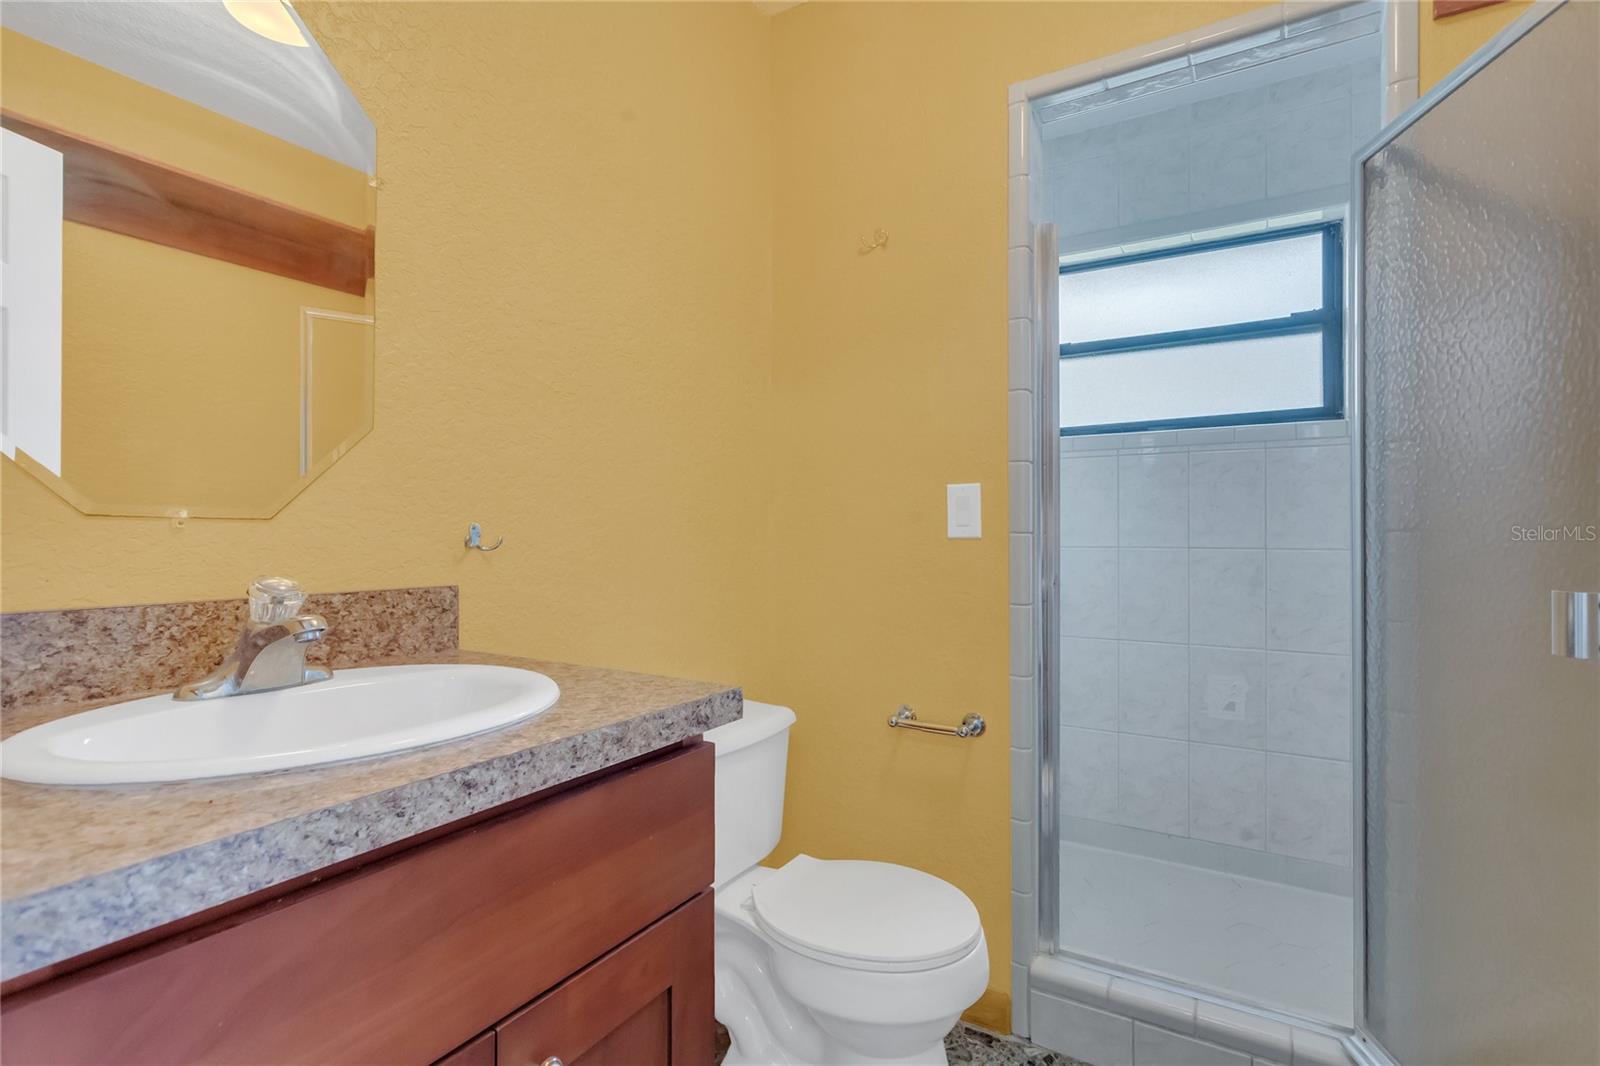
1443	44
180	373
890	382
573	346
624	323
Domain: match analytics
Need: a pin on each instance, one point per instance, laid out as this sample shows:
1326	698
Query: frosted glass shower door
1480	300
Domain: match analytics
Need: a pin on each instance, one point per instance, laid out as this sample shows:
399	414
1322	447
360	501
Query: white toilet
827	962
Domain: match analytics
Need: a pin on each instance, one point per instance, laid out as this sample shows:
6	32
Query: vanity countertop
82	868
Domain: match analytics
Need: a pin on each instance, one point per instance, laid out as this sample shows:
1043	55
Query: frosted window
1193	381
1239	283
1220	334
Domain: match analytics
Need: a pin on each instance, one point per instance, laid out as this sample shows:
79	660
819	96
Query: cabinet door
479	1051
646	1003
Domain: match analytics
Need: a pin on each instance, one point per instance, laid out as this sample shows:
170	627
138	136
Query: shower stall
1305	528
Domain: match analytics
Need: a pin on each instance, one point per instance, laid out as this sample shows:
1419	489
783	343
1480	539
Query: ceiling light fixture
269	18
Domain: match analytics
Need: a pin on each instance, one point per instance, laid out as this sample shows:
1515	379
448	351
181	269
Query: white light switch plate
964	511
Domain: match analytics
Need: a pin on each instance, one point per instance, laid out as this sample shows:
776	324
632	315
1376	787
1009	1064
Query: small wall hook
475	539
880	239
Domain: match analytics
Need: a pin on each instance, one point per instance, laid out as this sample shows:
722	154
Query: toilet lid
866	915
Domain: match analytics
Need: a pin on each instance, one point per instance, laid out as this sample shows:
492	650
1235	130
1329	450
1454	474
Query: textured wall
1443	43
141	320
580	234
891	381
573	346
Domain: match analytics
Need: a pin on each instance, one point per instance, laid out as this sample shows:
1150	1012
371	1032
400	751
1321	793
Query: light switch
964	511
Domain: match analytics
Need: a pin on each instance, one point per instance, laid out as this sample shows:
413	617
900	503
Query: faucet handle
275	599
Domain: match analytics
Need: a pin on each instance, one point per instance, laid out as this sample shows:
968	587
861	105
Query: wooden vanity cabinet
576	927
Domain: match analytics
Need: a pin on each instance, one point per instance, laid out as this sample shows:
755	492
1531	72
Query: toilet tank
752	757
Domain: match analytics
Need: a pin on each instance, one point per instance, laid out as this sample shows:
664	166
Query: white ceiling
195	50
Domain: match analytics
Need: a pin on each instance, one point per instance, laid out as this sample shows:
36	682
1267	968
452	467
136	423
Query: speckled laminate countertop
81	868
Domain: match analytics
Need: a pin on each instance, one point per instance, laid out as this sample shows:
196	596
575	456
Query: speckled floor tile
969	1046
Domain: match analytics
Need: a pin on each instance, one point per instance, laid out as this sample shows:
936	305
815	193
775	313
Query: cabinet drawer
479	1051
646	1003
400	961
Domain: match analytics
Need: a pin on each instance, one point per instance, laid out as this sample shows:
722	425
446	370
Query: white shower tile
1024	852
1319	86
1140	999
1019	229
1227	696
1083	1033
1317	1049
1308	601
1227	165
1020	283
1309	148
1192	437
1024	711
1308	808
1017	144
1269	431
1308	704
1328	429
1020	568
1083	194
1022	441
1240	1029
1021	353
1227	795
1308	497
1089	592
1227	498
1153	594
1022	630
1397	96
1227	597
1153	784
1019	985
1019	502
1152	179
1024	783
1247	104
1089	774
1153	689
1089	683
1157	1047
1089	501
1153	500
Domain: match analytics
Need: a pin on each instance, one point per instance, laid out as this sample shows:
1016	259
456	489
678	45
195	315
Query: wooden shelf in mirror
118	191
1446	8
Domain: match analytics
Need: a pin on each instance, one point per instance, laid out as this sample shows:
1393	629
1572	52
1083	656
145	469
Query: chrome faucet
271	652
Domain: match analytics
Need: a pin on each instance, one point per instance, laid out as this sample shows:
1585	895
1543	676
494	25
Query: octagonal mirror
189	220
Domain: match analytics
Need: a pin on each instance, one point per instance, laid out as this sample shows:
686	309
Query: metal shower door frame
1361	1044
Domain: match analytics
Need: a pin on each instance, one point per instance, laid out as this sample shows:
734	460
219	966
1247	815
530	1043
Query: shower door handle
1575	624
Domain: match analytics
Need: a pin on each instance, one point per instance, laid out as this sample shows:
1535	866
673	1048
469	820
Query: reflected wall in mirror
214	179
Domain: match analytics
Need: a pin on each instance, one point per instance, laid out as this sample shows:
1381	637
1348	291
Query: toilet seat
872	916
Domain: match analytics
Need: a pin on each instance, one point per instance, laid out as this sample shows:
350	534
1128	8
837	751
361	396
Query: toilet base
934	1056
768	1025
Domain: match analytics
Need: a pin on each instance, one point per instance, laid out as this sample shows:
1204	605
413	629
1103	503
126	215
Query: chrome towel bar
905	718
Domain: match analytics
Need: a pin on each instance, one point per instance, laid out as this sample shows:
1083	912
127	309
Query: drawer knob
552	1061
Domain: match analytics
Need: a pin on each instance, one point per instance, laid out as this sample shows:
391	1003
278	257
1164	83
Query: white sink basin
358	713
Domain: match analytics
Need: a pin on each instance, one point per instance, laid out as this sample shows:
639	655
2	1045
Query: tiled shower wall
1205	650
1271	149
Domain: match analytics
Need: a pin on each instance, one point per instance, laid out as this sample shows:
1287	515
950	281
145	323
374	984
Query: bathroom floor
969	1046
1272	944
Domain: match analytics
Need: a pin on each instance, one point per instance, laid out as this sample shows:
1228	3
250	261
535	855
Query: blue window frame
1221	368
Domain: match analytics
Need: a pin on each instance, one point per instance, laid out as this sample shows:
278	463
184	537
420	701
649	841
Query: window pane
1196	381
1242	283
